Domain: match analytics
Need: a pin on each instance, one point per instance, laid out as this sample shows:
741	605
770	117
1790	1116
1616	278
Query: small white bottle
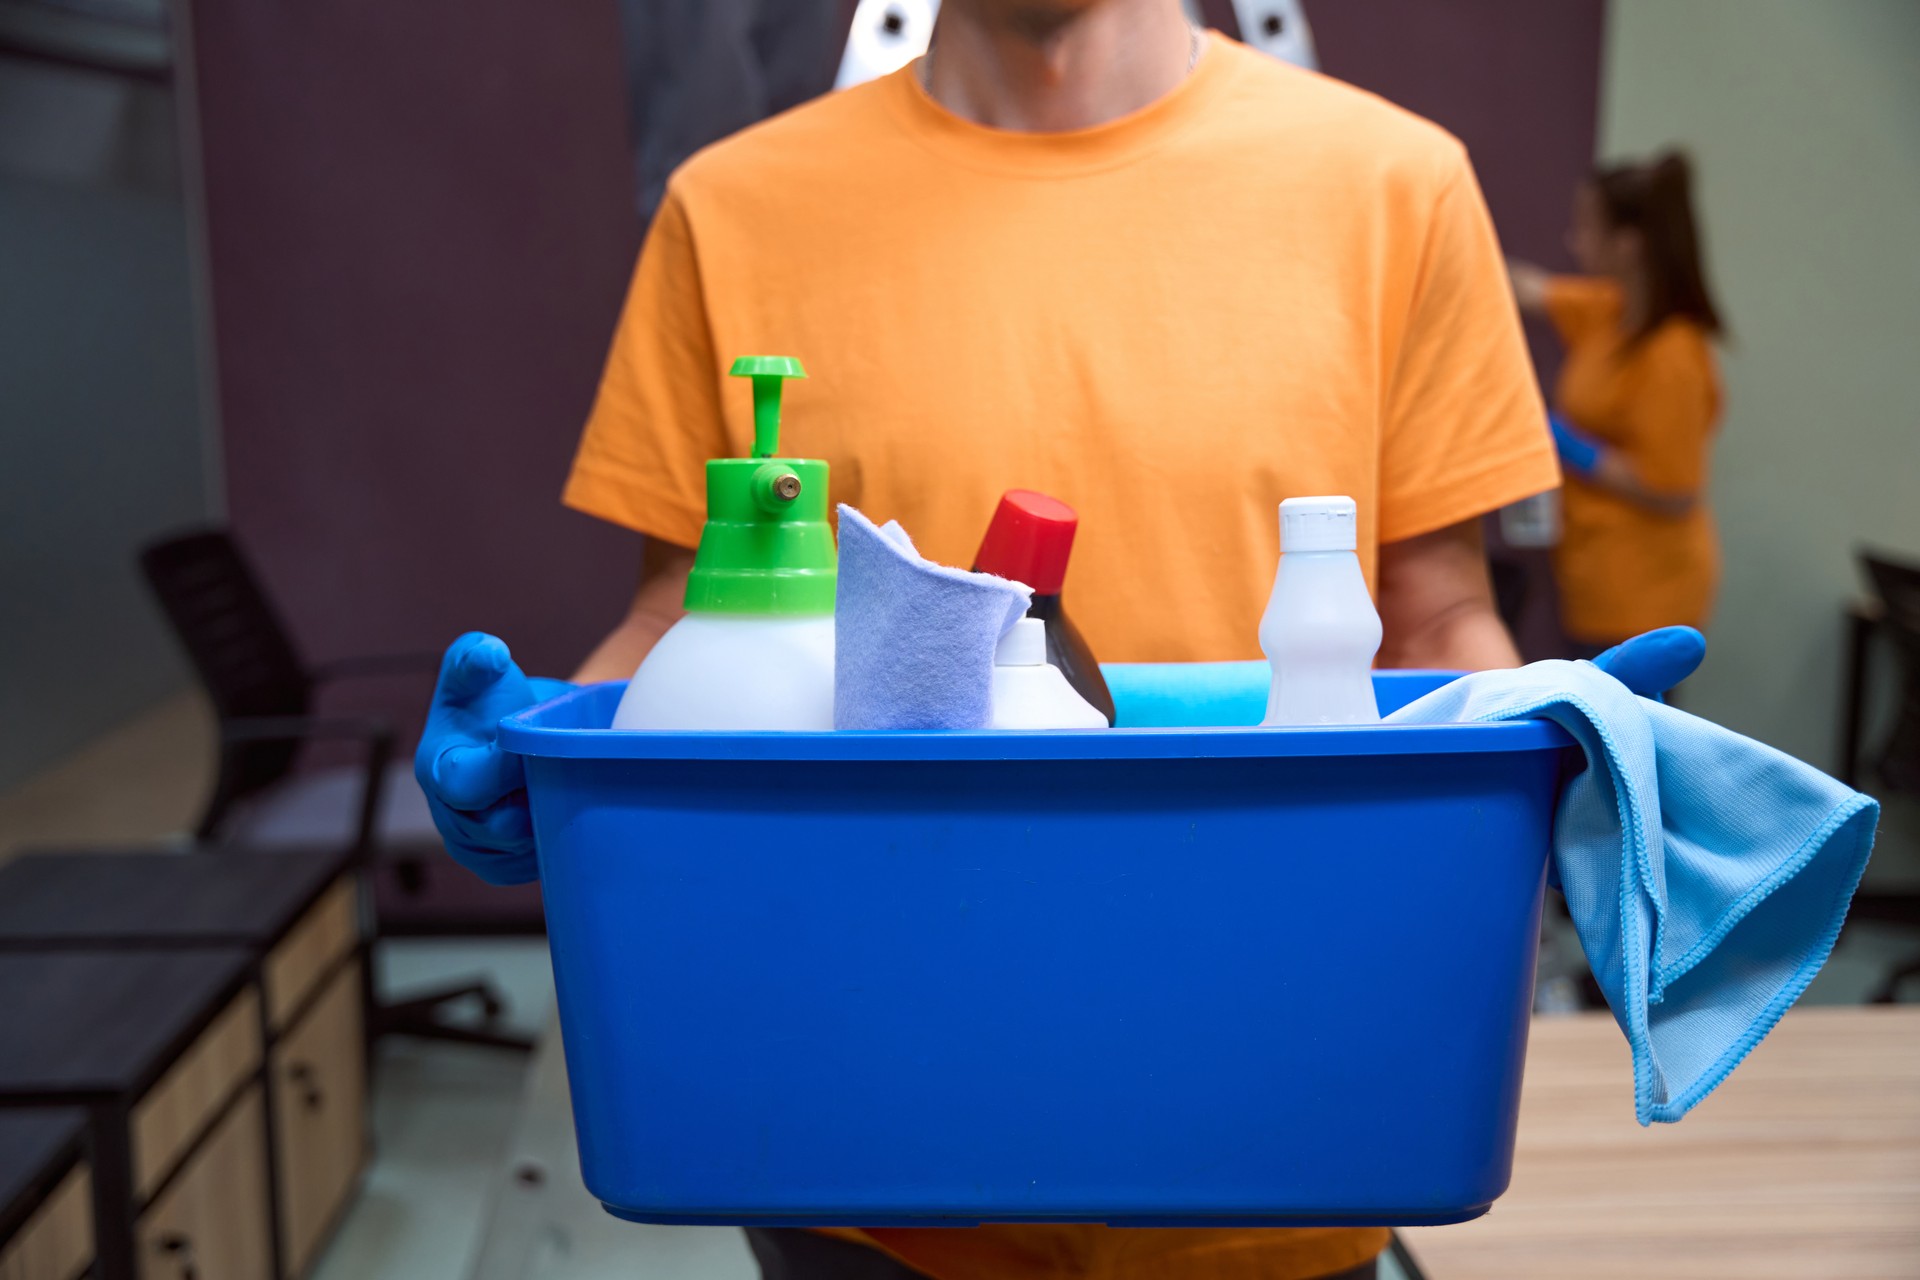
1031	693
1320	631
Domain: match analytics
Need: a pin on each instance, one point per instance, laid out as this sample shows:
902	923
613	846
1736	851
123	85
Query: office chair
263	696
1896	762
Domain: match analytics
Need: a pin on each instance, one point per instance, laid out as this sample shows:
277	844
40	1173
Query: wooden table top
91	900
36	1145
1805	1163
76	1025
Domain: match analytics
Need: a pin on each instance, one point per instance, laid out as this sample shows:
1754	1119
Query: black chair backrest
237	643
1898	585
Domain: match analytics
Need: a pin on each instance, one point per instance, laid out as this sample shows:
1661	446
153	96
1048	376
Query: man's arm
656	606
1436	604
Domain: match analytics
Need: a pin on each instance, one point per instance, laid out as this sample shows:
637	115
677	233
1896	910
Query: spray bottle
755	650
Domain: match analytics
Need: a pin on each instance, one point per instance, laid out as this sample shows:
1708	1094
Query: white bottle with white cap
1031	693
1320	631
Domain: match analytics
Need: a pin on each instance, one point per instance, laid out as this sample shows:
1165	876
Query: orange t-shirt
1623	568
1265	284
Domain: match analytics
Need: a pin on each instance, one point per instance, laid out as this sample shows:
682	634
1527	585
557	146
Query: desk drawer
211	1222
178	1108
319	1113
57	1242
329	930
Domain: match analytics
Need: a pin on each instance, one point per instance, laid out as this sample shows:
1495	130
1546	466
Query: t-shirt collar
1074	151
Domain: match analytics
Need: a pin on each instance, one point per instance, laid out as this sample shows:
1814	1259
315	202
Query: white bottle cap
1319	524
1024	645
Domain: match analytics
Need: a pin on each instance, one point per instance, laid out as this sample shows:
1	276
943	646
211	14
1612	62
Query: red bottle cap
1029	540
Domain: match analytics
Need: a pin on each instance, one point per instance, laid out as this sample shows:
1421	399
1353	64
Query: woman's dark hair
1656	200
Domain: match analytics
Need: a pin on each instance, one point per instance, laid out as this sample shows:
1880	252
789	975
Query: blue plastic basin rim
524	733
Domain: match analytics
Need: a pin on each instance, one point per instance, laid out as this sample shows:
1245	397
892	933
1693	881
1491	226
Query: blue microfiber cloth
913	640
1707	874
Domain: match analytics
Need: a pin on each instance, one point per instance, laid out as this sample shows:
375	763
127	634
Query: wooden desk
162	1049
1805	1163
296	917
46	1194
91	900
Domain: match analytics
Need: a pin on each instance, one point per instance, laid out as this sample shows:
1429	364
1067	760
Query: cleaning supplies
756	648
1031	693
916	638
1320	631
1029	540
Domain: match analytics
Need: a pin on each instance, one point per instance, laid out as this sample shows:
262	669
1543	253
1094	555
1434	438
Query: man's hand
1655	661
475	789
1436	604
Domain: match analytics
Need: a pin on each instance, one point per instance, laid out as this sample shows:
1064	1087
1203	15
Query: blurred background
337	280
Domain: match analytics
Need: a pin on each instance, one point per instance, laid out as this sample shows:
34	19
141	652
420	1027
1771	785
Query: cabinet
154	1049
46	1195
173	1113
319	1101
211	1221
246	1093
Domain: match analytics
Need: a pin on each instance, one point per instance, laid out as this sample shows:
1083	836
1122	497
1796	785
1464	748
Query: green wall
1804	123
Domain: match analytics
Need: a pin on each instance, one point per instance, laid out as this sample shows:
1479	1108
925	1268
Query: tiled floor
441	1117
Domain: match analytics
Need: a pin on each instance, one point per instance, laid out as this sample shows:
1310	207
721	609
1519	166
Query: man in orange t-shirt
1086	249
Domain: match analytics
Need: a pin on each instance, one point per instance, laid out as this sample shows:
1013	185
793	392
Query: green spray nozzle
766	548
767	372
775	486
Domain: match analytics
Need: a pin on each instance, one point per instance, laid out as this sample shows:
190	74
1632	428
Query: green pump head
766	548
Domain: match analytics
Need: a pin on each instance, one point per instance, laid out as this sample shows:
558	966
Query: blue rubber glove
1649	664
1655	661
476	790
1580	453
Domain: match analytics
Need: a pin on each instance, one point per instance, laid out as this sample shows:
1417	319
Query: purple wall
420	226
1518	81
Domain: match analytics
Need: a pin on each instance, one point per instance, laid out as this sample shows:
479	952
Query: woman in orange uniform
1636	406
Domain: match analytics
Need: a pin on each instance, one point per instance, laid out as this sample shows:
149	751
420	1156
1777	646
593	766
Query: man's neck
1029	71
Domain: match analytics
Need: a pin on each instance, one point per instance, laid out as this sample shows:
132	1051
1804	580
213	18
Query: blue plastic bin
1153	976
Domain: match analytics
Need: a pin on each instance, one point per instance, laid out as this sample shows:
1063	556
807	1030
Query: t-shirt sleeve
1670	414
1578	305
1464	428
657	419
